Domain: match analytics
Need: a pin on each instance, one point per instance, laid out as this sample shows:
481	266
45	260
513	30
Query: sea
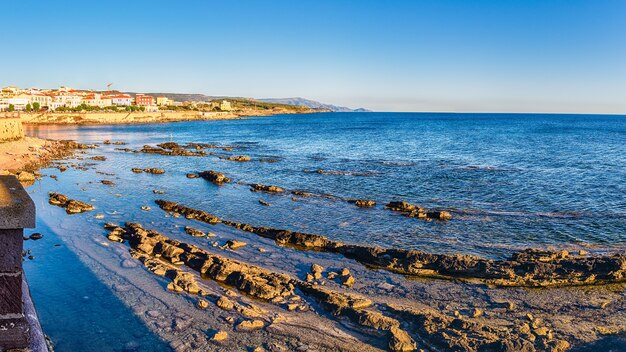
510	182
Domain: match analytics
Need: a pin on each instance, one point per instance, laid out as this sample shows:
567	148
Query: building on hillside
163	101
19	103
225	106
10	90
97	99
151	108
68	100
144	100
37	97
121	99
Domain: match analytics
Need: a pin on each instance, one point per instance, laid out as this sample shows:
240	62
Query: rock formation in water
151	248
71	206
216	177
530	268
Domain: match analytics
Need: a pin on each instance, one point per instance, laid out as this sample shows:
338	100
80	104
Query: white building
121	100
19	104
70	101
96	99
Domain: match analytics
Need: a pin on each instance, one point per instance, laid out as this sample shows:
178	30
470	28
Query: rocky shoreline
162	256
379	299
528	268
34	154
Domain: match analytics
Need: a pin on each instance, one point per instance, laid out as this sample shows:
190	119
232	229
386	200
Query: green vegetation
36	106
28	108
11	108
251	104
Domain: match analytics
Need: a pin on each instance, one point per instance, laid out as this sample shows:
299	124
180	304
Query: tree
36	106
11	107
28	108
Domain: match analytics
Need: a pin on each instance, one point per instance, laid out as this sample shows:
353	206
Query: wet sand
28	154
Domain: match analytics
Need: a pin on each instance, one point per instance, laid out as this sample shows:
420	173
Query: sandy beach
28	154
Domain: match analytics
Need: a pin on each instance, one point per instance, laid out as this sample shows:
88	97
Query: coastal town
66	99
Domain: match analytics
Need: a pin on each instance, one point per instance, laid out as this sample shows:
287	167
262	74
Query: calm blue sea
511	181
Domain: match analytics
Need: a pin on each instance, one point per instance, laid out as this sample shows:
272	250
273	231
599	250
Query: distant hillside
285	101
312	104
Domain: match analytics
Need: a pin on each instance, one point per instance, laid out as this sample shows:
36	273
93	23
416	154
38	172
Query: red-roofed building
121	99
144	100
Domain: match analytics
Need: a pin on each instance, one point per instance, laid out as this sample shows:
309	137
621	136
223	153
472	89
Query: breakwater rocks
528	268
71	206
161	255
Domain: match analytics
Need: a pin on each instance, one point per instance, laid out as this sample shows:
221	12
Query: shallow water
511	181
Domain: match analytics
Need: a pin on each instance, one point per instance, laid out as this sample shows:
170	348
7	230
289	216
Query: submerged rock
154	171
216	177
233	244
36	236
194	232
71	206
414	211
264	188
363	203
240	158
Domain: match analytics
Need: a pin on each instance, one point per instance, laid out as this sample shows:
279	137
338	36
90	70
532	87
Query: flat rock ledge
527	268
158	253
71	206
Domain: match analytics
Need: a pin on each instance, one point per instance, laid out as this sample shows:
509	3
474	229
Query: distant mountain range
289	101
312	104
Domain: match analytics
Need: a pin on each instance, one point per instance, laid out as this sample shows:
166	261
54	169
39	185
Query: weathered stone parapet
17	211
10	127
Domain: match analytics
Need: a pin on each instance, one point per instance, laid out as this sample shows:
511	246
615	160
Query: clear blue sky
500	55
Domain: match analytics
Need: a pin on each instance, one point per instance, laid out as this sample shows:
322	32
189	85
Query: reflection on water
76	309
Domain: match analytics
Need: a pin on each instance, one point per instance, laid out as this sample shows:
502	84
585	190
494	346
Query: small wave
342	173
397	163
553	214
488	168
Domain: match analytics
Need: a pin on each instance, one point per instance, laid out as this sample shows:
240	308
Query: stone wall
10	127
